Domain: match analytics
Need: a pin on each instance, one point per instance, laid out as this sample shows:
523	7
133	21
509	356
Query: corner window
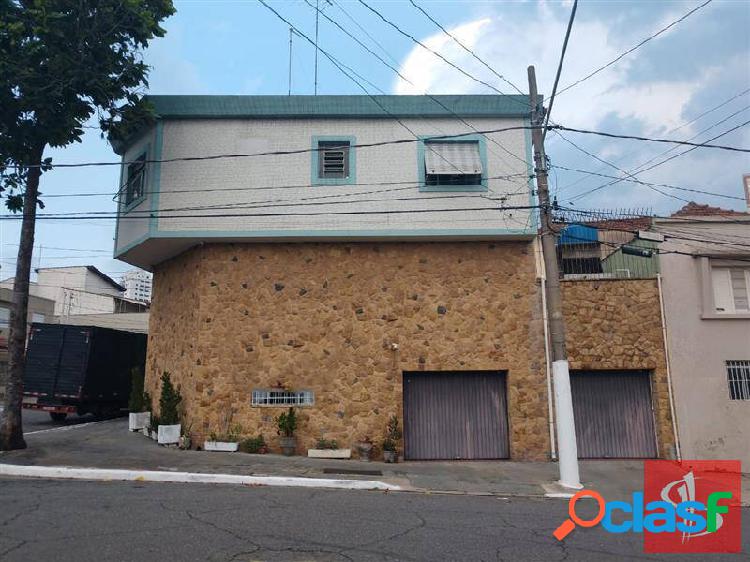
453	165
135	186
731	289
333	161
738	377
283	398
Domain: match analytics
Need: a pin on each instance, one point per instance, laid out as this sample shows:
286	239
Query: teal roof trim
228	107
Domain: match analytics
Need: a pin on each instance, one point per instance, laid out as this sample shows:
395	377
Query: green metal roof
218	107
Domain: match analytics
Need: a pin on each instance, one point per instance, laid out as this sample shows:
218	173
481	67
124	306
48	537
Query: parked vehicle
80	369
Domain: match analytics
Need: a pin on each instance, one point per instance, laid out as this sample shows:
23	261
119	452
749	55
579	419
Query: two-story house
706	273
355	257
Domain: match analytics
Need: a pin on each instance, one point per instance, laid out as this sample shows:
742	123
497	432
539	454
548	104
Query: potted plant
364	448
227	442
139	402
254	445
390	443
287	424
186	441
152	429
328	449
169	412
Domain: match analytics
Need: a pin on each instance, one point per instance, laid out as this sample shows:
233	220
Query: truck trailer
80	369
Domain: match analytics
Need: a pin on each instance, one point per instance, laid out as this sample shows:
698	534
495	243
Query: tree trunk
11	431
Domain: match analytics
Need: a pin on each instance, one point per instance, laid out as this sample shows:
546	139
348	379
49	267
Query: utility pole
564	421
291	34
317	18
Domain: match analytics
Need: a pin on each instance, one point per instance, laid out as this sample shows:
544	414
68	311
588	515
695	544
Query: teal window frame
421	173
315	160
124	186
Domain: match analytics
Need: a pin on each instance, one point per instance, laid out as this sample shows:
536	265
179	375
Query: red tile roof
694	209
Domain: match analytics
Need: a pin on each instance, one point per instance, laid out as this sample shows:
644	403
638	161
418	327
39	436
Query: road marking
66	427
105	474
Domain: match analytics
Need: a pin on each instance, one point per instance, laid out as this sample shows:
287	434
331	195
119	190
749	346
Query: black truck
80	369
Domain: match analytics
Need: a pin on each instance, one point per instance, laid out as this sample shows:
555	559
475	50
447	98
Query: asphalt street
81	521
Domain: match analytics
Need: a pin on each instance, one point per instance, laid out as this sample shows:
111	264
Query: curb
110	474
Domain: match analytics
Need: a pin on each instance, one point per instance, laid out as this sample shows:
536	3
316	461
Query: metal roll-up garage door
455	415
613	414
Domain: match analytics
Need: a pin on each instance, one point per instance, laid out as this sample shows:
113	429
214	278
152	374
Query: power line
559	67
404	78
585	193
79	216
465	48
626	53
367	33
674	129
418	42
650	139
635	180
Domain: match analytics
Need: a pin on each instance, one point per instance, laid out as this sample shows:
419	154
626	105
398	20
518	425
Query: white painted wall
263	181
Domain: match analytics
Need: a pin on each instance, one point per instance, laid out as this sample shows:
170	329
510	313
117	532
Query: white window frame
723	289
709	301
280	398
738	380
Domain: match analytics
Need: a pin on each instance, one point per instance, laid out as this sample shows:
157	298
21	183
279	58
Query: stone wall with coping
615	324
230	318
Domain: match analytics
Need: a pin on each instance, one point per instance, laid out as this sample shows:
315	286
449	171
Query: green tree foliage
63	64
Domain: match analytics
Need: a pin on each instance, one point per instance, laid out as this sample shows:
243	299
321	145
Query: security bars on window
283	398
738	377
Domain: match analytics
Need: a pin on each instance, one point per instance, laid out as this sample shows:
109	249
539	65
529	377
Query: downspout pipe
669	370
547	358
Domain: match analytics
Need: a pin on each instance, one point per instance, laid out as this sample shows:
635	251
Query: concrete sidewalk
109	445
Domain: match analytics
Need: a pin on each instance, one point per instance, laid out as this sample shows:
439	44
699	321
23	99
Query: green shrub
327	444
287	423
392	435
253	445
169	402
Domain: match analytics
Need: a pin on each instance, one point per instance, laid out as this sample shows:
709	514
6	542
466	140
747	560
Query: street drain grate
352	471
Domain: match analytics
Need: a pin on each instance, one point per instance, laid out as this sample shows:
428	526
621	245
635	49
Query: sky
240	47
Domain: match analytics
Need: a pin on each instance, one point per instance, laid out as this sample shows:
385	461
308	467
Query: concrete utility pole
564	421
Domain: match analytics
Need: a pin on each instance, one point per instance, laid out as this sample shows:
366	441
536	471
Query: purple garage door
455	415
613	414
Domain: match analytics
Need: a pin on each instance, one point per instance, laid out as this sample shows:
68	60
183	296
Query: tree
62	62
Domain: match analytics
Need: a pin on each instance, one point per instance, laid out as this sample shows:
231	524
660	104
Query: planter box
224	446
139	420
329	453
169	434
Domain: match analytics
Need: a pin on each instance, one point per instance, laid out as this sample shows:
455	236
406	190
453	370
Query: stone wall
228	318
616	324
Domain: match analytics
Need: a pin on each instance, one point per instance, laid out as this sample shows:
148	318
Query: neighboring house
327	267
39	310
80	290
706	287
137	285
615	339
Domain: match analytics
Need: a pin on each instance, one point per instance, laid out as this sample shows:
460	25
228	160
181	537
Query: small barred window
283	398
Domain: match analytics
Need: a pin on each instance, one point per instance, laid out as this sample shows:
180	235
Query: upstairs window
333	161
135	187
453	165
731	287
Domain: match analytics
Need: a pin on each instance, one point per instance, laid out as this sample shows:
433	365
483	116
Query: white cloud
508	46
